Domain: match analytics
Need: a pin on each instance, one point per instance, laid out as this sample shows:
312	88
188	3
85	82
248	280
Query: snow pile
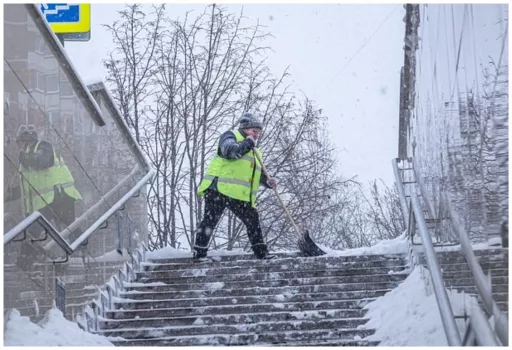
398	245
215	285
52	330
91	80
143	284
407	316
195	273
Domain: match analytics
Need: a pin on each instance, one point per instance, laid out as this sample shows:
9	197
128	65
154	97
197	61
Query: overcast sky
336	57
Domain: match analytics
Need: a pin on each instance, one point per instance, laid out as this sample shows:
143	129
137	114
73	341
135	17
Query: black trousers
61	212
215	204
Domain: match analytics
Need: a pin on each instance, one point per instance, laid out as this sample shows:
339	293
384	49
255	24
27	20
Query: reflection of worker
46	184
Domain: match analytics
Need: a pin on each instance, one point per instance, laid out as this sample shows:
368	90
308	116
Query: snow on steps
458	276
239	300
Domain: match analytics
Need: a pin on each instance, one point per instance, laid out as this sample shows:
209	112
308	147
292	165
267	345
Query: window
54	118
40	47
66	90
36	81
52	83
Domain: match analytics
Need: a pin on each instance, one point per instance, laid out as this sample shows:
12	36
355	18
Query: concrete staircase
31	292
457	274
239	300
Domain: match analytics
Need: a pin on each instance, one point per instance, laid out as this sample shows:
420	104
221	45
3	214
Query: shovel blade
308	247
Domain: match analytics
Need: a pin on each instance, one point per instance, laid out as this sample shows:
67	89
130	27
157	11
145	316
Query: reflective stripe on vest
229	181
236	178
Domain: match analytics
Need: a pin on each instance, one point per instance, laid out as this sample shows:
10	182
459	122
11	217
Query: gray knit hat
249	121
26	133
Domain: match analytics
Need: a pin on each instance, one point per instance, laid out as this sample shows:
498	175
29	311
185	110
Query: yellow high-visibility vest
37	186
237	178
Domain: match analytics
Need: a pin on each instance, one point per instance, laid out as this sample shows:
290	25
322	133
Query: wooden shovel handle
297	230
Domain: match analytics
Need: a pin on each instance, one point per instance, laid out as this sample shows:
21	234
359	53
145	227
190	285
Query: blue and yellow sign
72	21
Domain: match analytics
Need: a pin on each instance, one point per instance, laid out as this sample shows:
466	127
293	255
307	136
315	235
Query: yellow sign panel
68	18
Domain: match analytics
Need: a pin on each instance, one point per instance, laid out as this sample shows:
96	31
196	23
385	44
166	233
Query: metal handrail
58	236
401	192
483	285
445	308
29	220
84	236
98	205
479	326
423	191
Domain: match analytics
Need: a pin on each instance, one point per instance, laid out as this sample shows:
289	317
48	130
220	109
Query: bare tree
181	83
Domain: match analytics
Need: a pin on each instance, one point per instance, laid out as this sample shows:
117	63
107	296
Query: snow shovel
306	245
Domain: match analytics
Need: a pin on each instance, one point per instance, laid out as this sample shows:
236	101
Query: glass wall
61	159
458	129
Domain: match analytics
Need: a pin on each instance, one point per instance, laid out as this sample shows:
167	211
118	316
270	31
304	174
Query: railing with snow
478	329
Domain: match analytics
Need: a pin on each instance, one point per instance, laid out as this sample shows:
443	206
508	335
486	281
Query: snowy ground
406	316
409	316
397	245
53	330
392	246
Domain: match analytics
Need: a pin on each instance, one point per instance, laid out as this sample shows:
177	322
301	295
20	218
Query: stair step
460	258
349	319
357	288
497	297
494	265
201	301
267	338
307	342
468	274
226	268
258	328
147	310
471	288
166	306
277	282
291	256
478	252
290	264
212	275
329	342
498	280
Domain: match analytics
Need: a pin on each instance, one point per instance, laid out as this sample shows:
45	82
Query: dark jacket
229	148
42	159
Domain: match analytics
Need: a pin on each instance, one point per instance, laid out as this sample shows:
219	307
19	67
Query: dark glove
252	141
25	159
272	182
